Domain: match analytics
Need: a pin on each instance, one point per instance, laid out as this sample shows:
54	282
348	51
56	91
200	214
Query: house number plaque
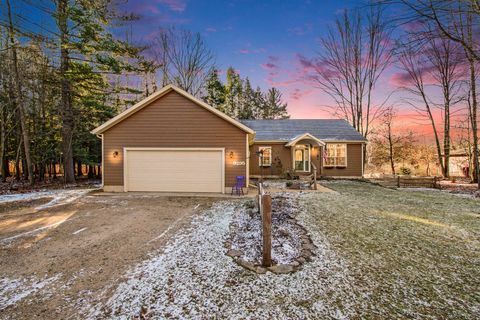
238	163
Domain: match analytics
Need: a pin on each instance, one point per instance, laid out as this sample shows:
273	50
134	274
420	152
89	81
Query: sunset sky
270	42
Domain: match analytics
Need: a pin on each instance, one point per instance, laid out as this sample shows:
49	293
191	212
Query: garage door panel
174	170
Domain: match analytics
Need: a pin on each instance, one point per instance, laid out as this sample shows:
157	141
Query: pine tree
233	92
246	109
274	106
215	91
258	103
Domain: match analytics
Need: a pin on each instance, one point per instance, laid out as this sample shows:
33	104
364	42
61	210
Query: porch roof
305	136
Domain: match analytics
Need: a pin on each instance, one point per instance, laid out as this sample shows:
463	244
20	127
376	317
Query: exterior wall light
231	154
115	154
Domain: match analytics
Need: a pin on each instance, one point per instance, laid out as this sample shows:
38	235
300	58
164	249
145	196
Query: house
333	146
459	162
173	142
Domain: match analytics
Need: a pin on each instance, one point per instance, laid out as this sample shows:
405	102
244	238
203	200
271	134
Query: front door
302	158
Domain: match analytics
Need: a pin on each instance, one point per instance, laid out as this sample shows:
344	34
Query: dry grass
410	253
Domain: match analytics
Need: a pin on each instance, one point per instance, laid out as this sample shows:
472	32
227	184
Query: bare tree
435	64
447	18
472	100
456	22
414	64
355	53
445	60
389	145
184	58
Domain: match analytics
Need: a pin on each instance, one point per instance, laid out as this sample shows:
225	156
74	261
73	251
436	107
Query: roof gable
306	135
148	100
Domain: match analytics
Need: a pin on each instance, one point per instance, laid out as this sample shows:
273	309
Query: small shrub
250	204
405	171
289	174
289	183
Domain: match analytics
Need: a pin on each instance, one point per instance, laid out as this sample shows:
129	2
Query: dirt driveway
56	252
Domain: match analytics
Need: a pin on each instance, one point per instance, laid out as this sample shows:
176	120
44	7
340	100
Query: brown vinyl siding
354	164
173	121
282	160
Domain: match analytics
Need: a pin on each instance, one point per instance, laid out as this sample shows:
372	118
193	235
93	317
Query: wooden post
315	179
267	230
398	181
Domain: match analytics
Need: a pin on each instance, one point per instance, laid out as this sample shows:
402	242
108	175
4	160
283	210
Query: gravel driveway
60	251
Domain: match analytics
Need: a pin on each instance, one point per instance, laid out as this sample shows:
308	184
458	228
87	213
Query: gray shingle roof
286	130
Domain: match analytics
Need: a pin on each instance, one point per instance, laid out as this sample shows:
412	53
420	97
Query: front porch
301	156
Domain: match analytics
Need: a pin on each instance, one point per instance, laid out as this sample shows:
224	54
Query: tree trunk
473	107
17	160
54	168
79	168
91	173
18	98
66	102
446	142
2	144
390	151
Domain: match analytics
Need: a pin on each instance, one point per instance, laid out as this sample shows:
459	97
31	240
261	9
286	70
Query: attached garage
174	170
173	142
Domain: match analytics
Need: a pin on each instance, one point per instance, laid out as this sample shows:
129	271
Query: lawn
381	253
409	253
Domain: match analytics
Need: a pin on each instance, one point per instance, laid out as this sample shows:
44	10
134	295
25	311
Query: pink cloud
269	66
174	5
210	29
403	79
299	94
250	51
400	79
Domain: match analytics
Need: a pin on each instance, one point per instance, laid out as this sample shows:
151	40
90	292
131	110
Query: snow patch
25	196
15	290
80	230
60	196
64	197
286	234
193	278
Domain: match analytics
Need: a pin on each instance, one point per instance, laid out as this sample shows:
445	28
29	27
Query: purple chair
238	186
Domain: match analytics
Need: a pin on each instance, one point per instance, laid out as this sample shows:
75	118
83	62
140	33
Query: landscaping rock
260	270
247	265
234	253
282	268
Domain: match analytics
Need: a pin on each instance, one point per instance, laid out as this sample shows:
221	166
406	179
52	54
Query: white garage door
174	170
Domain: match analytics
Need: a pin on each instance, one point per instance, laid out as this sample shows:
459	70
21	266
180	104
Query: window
302	158
265	159
335	155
